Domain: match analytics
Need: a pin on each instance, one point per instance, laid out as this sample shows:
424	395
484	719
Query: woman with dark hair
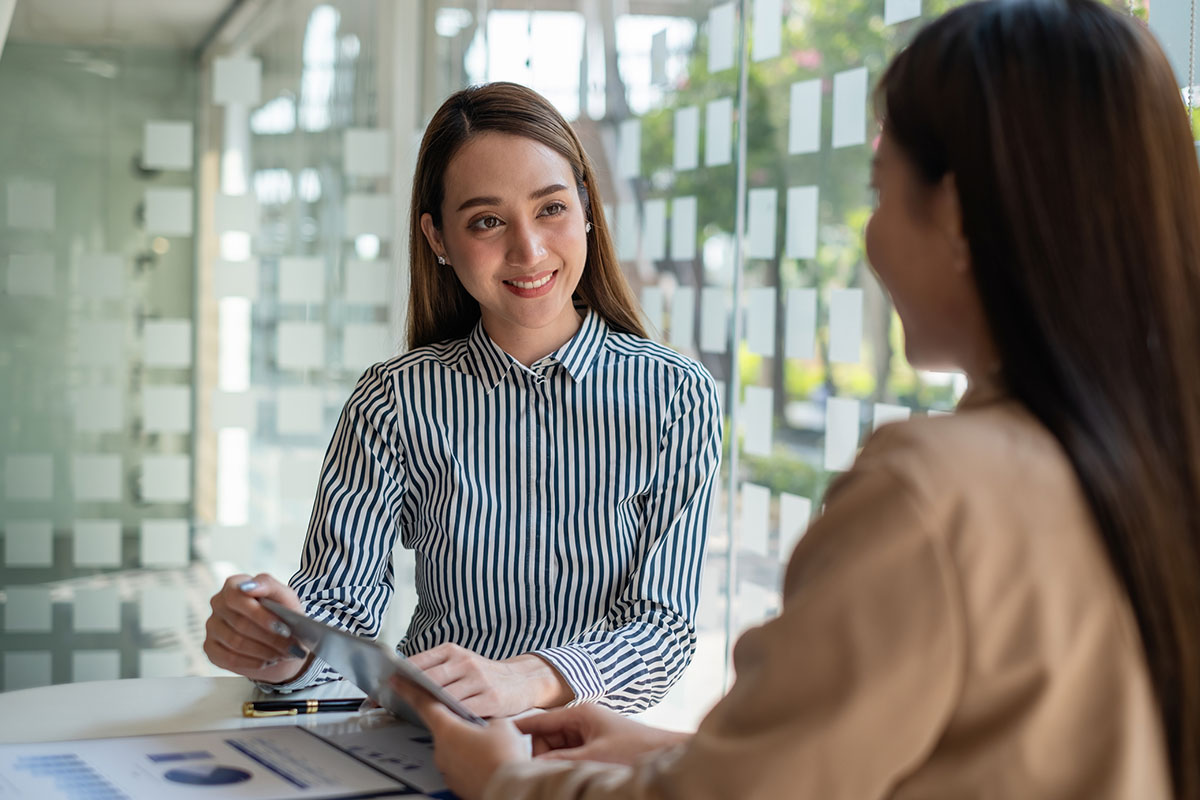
550	466
1004	602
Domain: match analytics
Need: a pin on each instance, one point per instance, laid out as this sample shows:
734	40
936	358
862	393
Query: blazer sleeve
841	696
649	634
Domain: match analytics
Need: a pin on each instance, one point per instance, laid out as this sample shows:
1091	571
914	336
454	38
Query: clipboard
367	664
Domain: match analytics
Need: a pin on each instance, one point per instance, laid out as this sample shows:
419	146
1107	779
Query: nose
525	247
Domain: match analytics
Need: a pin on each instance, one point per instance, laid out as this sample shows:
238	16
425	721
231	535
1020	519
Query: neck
527	345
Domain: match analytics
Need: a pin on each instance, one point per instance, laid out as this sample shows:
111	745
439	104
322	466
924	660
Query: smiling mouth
539	283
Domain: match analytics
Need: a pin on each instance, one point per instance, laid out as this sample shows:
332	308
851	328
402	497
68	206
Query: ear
948	216
433	236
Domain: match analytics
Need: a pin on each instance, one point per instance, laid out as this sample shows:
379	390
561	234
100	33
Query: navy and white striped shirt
560	509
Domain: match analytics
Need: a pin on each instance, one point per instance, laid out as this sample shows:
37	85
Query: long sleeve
346	575
649	634
841	696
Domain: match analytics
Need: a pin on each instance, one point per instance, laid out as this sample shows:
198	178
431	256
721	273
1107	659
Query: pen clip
248	710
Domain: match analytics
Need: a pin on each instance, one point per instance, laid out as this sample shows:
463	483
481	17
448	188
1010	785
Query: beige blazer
951	628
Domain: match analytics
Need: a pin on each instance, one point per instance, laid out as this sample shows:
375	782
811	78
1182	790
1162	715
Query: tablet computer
367	664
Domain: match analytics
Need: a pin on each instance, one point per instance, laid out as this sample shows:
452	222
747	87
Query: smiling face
513	232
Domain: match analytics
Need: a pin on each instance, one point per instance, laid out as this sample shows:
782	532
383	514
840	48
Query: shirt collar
487	362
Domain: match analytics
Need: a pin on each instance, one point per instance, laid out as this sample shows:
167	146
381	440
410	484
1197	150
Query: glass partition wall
204	251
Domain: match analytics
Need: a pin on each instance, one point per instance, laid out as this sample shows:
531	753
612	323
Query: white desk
136	706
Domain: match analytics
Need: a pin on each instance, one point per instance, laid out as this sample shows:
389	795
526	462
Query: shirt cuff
318	672
578	669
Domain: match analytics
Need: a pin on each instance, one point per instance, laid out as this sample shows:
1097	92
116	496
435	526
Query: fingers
244	629
436	655
551	721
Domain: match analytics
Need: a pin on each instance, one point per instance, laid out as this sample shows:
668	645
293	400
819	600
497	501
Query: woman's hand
591	733
243	637
467	754
494	688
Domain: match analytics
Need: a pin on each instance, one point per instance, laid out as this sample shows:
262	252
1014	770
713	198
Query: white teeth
531	284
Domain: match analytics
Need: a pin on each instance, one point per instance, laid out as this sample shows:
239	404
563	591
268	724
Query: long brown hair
439	308
1063	126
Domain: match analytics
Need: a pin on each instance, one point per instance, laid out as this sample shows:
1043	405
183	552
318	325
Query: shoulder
628	349
380	380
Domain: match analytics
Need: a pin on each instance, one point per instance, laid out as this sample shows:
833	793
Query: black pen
290	708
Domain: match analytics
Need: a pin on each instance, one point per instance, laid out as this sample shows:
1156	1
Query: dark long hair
439	307
1063	126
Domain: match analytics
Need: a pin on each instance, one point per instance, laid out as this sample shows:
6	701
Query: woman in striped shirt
550	467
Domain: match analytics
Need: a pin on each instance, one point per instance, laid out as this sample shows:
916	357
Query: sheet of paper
683	229
760	223
756	512
683	318
654	230
99	409
800	333
760	321
161	608
367	153
365	343
96	477
841	432
163	542
100	343
167	343
658	58
95	665
166	479
31	205
31	275
167	144
768	28
27	670
102	275
755	604
236	212
845	326
96	543
885	413
301	280
236	279
161	663
298	474
652	309
629	149
850	107
237	80
687	138
794	514
400	749
627	231
1176	28
759	420
369	214
280	762
29	476
231	543
368	282
899	10
718	132
27	609
802	206
714	320
168	212
804	117
167	409
96	610
300	410
234	410
721	31
300	345
28	543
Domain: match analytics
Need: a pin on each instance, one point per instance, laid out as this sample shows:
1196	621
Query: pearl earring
587	228
442	260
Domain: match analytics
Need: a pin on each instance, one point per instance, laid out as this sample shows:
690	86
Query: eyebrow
495	201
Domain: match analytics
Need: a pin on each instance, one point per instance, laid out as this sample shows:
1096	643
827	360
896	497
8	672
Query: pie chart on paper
207	775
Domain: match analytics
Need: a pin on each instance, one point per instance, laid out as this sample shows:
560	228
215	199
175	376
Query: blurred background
203	243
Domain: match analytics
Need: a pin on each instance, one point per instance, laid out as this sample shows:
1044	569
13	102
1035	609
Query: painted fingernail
248	586
271	663
297	651
281	629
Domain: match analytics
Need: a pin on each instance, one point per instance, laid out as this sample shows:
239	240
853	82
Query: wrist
549	688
